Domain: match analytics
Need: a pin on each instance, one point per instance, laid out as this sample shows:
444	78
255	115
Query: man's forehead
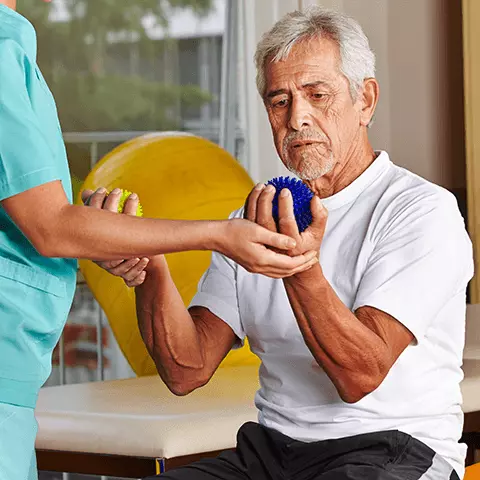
315	60
301	76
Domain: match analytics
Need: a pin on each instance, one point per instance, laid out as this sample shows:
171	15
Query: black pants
265	454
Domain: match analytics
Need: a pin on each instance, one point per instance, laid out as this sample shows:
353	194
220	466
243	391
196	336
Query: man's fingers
135	271
86	194
264	208
319	212
108	264
112	201
131	205
251	204
122	269
286	216
136	281
132	270
97	198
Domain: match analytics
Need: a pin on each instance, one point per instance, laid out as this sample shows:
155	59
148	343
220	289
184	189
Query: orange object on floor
472	472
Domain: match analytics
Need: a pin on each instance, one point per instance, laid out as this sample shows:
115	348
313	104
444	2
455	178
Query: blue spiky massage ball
302	196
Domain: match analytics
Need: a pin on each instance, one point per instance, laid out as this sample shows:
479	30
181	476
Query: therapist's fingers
282	266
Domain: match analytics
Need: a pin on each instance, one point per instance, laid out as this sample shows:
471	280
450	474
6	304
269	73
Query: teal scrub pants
18	429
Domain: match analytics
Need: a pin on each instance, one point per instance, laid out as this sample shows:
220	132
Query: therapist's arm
58	229
187	346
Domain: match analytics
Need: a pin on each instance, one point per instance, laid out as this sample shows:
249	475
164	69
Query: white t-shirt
395	242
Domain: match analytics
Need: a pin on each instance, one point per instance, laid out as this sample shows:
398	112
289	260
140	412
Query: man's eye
318	95
280	103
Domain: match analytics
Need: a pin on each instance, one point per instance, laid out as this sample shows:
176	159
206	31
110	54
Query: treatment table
136	427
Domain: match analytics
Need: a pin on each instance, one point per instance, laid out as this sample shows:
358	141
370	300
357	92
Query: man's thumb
319	212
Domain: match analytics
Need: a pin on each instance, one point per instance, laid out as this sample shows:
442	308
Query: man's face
313	118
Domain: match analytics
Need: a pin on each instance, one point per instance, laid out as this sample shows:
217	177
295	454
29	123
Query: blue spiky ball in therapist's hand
302	196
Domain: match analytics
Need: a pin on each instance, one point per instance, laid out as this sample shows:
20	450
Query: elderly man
361	354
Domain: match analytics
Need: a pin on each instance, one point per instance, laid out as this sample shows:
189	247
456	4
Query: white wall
419	119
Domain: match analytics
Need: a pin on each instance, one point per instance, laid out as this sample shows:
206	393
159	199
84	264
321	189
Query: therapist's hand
132	270
242	241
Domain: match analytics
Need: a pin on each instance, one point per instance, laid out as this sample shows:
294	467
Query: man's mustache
305	135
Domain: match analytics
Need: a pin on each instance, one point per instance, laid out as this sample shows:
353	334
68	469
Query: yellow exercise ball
177	176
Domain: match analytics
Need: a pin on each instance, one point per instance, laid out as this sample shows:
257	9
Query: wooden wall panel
471	47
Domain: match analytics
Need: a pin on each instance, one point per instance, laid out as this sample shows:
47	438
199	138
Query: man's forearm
168	331
351	354
83	232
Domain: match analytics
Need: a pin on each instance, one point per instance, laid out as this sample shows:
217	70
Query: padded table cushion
140	417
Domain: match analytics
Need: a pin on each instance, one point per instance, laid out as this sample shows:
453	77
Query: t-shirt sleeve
422	259
217	291
26	159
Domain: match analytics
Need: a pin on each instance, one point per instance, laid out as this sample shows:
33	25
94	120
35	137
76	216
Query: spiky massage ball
302	196
123	198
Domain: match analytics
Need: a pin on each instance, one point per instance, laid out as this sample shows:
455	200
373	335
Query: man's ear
369	100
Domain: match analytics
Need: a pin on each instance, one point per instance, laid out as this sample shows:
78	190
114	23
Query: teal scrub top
36	292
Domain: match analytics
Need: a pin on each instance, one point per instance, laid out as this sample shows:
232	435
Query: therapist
41	233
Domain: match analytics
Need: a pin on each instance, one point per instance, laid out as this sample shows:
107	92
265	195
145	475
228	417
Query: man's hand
132	270
259	210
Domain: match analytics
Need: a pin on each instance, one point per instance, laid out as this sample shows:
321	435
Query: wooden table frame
112	465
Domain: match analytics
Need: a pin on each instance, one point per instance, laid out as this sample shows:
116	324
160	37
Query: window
129	67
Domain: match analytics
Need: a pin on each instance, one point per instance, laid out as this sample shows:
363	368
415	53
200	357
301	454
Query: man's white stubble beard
310	169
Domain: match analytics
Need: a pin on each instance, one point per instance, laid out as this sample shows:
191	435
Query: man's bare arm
356	350
187	346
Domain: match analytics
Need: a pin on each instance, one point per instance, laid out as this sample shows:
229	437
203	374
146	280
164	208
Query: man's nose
300	114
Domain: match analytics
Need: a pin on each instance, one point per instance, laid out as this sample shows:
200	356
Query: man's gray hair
357	60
